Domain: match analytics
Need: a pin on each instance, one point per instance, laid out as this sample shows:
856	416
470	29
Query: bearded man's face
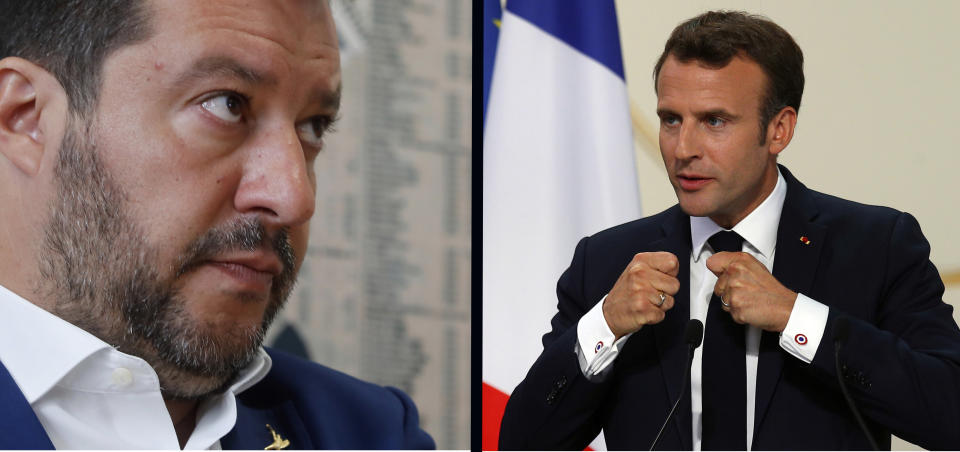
183	199
107	279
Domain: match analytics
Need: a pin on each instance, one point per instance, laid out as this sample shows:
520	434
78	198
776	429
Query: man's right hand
633	301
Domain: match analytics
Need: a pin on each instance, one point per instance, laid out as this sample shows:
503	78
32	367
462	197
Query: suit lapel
251	432
799	241
20	426
669	332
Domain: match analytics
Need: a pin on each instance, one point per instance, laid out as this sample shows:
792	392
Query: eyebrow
226	67
665	111
329	100
719	112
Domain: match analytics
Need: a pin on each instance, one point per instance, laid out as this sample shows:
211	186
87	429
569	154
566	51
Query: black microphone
841	329
693	336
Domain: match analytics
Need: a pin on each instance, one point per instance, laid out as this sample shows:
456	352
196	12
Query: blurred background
384	292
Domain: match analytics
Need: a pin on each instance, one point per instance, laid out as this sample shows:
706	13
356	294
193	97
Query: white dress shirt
800	338
88	395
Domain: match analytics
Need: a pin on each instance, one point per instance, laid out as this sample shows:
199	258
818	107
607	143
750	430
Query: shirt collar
28	331
217	415
758	229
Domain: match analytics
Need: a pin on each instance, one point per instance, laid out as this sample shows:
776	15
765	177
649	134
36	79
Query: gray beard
106	279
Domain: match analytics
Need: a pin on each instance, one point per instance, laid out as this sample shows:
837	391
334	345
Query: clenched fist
635	299
754	295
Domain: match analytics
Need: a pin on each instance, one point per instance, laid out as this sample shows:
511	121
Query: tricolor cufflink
800	339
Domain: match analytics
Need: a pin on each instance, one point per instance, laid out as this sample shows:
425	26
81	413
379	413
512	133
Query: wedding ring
663	298
724	303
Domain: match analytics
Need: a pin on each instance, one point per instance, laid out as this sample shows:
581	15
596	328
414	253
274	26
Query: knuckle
644	287
640	268
720	285
671	262
674	286
641	259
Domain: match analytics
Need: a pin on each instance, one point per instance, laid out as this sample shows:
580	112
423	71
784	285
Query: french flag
558	164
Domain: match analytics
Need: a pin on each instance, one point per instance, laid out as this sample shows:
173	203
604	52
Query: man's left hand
754	296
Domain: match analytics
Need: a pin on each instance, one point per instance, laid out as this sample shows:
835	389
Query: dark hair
715	37
71	39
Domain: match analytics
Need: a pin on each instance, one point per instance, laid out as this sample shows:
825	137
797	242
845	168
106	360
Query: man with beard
156	179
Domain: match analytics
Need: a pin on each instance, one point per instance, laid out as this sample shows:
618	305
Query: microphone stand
694	337
840	330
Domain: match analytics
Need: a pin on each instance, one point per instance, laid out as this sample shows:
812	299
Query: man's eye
311	132
716	122
669	120
227	106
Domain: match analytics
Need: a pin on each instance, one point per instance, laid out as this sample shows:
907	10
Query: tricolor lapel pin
805	240
278	442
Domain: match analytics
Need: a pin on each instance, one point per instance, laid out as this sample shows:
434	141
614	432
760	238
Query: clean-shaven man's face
709	140
183	199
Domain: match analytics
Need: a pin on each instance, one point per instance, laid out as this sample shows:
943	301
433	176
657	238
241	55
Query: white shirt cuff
596	348
804	329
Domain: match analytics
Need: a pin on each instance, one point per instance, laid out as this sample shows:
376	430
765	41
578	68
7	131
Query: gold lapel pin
278	442
805	240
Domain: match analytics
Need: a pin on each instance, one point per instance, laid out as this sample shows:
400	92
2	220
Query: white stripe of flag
558	164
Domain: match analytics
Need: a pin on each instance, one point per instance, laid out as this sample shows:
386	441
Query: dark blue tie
724	368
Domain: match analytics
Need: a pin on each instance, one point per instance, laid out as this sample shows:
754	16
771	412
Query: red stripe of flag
494	402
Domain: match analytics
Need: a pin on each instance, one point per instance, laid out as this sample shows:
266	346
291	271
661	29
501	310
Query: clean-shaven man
771	268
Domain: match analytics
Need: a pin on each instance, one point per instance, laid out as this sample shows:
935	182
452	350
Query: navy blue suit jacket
312	406
868	264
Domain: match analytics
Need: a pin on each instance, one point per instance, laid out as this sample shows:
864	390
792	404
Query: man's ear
26	90
780	130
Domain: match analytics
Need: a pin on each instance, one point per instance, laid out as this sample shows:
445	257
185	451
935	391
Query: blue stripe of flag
589	26
491	32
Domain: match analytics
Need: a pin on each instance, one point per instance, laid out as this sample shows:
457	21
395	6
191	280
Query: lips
252	272
692	182
261	262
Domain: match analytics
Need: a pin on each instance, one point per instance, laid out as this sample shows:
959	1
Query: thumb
718	262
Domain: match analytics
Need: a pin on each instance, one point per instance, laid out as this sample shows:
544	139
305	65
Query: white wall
879	113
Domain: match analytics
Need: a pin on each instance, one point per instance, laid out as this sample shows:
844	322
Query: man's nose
687	145
276	180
